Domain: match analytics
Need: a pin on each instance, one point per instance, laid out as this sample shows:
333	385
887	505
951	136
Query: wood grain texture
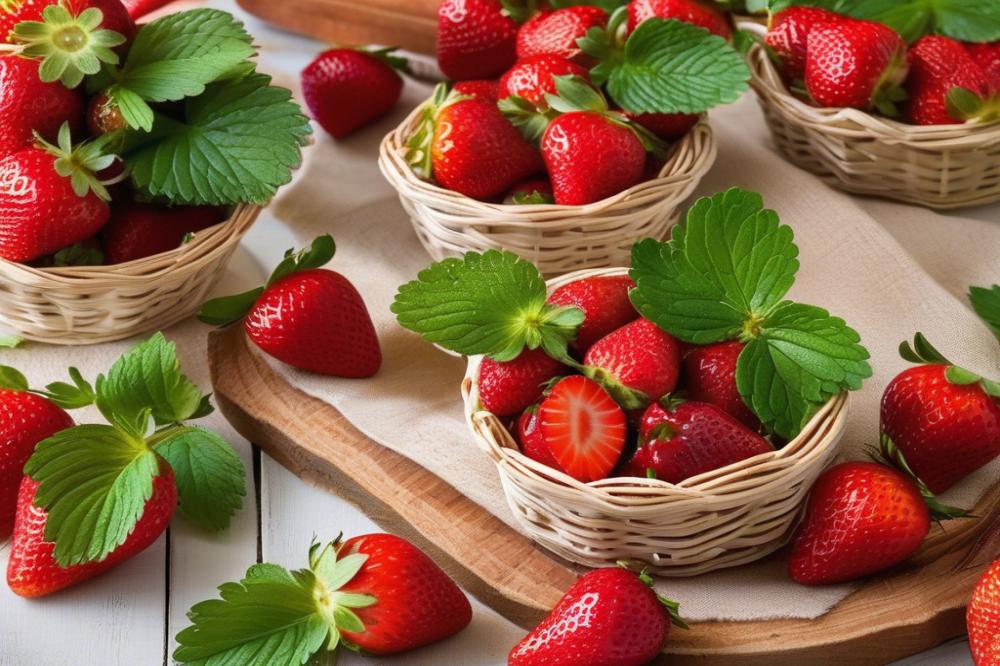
889	618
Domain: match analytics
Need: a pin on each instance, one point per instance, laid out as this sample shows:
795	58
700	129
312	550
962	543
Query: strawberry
476	39
25	420
987	56
689	11
941	418
104	116
939	66
710	376
680	439
416	603
28	105
556	32
861	518
487	90
667	126
139	8
32	570
638	357
605	304
788	36
983	618
610	617
347	89
50	197
532	191
509	387
532	77
138	230
857	64
533	443
115	16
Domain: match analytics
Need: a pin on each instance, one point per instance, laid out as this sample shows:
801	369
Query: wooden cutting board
889	618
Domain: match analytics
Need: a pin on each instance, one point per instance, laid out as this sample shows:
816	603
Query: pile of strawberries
834	60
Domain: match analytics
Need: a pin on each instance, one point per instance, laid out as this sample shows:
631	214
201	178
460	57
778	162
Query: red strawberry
28	105
41	211
139	8
528	192
556	32
685	439
487	90
138	230
32	570
115	16
533	443
347	89
857	64
610	617
710	376
476	39
509	387
605	304
938	65
640	356
983	618
788	36
416	602
583	427
987	56
689	11
25	420
861	518
667	126
532	77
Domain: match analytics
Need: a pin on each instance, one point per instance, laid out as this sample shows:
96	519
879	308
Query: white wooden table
129	616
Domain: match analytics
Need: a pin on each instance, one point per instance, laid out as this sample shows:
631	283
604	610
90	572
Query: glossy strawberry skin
851	62
28	105
347	89
115	15
710	376
316	320
418	603
487	90
788	36
39	212
138	230
32	570
532	77
557	32
945	431
476	40
938	64
25	420
861	518
533	443
987	56
641	356
689	11
608	617
507	388
667	126
577	147
605	304
477	152
983	618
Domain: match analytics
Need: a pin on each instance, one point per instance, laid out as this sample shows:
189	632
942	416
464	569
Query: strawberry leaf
77	395
210	476
12	379
986	303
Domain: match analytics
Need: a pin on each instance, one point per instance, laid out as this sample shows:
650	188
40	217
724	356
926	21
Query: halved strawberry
584	428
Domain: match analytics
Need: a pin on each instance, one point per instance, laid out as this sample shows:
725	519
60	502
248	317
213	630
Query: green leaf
210	476
986	303
12	379
721	272
669	66
77	395
10	341
491	303
228	309
236	142
94	482
802	357
136	112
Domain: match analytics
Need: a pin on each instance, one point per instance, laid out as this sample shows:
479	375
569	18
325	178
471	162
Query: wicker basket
557	239
92	304
943	166
724	518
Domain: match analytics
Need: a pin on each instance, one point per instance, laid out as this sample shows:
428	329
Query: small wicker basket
942	166
557	239
724	518
92	304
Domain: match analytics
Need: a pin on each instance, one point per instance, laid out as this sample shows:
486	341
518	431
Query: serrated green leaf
94	482
77	395
986	303
669	66
235	143
136	112
211	479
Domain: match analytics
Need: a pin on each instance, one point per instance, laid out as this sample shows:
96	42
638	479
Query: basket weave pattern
723	518
92	304
557	239
943	166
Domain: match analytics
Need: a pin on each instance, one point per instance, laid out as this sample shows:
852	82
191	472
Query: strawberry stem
673	607
892	456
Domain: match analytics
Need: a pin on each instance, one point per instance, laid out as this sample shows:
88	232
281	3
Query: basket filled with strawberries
567	138
675	414
899	102
133	159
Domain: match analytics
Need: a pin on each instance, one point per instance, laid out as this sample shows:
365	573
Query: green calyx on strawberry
418	148
520	10
82	163
69	46
923	353
969	105
890	454
68	396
